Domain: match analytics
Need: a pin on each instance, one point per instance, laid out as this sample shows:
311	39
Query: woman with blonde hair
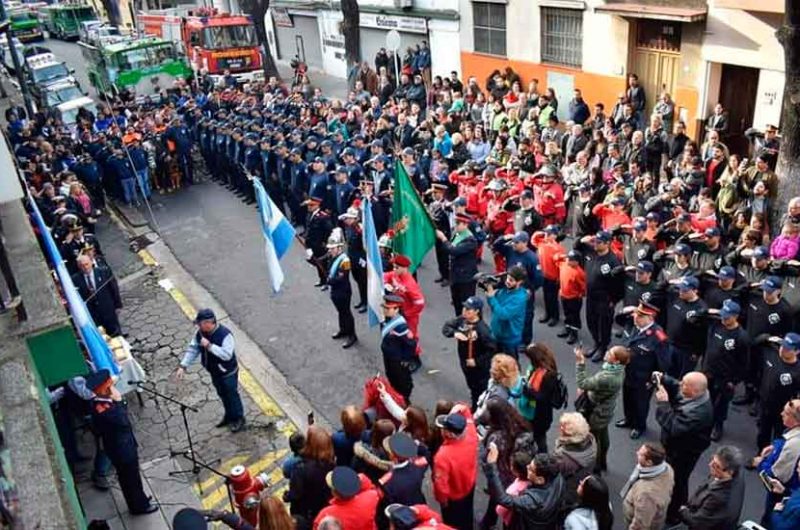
504	384
576	452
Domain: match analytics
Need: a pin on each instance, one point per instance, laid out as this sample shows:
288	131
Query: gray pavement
217	239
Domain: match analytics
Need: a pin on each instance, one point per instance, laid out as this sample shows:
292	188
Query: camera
485	279
655	380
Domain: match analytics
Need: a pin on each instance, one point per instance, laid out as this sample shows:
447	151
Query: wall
769	98
743	38
442	38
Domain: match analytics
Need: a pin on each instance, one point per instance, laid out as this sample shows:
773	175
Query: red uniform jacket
472	190
406	286
548	200
455	466
549	249
356	513
572	281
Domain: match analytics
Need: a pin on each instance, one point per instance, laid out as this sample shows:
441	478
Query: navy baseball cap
205	314
526	194
341	169
376	143
729	309
585	187
712	232
791	341
408	151
344	481
401	516
652	216
455	423
640	225
771	284
474	303
684	218
603	236
402	445
688	283
189	519
96	379
727	273
645	266
761	253
618	201
460	201
683	249
520	237
574	255
552	229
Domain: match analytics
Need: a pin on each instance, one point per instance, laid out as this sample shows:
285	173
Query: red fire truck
212	41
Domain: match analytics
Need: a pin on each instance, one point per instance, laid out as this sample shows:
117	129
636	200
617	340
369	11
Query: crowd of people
686	271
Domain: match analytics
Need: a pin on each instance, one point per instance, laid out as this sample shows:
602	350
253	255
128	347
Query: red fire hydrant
246	492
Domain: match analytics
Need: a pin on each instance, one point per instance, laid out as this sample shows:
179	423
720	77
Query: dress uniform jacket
318	228
403	484
399	349
103	299
649	354
463	261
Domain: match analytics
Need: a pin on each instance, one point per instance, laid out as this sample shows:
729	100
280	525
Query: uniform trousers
459	514
550	290
682	463
681	362
187	166
360	276
721	397
572	312
599	318
477	380
399	376
459	292
227	388
442	260
347	323
636	404
527	326
130	482
770	425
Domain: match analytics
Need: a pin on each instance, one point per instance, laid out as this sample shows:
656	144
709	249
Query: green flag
414	234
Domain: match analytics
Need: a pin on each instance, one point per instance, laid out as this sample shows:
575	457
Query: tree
350	30
257	9
789	157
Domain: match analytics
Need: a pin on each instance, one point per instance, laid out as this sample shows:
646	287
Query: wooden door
657	71
737	93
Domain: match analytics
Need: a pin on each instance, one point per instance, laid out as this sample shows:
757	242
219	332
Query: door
656	58
737	93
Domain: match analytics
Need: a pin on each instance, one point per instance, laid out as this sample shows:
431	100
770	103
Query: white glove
309	253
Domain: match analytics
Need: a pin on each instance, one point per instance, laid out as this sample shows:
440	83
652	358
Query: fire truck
211	40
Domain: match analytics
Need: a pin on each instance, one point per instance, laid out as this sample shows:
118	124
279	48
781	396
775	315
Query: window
489	21
562	36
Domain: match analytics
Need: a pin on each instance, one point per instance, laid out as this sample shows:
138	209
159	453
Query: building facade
699	52
312	31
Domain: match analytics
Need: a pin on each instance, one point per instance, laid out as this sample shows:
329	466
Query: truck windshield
62	95
84	13
222	37
49	73
144	57
22	17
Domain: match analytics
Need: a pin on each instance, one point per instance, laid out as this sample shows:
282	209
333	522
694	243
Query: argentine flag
93	341
278	234
374	266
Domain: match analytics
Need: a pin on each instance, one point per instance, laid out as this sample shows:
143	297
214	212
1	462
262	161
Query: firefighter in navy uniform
398	346
602	289
403	483
727	284
111	423
639	284
709	254
252	162
318	229
687	337
647	343
441	221
636	247
341	291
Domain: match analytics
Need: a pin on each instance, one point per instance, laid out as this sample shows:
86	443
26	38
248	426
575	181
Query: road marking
147	258
212	481
220	494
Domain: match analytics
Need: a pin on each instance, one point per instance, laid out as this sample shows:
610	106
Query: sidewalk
160	301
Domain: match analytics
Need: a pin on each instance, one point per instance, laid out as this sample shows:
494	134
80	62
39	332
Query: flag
374	266
413	228
93	341
278	234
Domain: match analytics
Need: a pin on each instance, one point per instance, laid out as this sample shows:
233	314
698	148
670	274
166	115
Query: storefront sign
281	17
388	22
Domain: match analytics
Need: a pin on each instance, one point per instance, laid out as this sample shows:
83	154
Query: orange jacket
455	466
572	281
356	513
549	249
609	217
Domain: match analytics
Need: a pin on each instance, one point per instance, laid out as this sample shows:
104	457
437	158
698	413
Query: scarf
644	473
611	367
458	237
689	405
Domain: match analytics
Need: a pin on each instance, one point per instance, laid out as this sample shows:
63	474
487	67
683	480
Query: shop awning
677	14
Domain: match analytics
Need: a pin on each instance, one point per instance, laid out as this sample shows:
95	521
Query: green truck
63	21
25	25
136	67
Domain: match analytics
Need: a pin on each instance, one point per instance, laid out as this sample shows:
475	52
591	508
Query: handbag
584	405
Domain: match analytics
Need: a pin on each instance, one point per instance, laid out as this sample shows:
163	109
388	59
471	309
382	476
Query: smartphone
765	480
311	418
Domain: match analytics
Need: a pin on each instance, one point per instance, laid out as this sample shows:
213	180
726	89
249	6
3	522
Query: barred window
562	36
489	23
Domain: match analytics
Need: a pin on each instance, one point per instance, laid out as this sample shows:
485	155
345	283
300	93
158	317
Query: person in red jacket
548	249
548	196
471	188
499	221
354	502
418	516
399	281
572	290
455	467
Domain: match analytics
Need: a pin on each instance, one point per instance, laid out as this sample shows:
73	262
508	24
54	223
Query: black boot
350	342
563	333
572	338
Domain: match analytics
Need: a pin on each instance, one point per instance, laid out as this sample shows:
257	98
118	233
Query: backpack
560	397
525	443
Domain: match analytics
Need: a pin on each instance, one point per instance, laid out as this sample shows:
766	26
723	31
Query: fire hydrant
246	492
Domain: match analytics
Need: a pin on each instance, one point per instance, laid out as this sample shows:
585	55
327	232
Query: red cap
401	261
647	309
463	218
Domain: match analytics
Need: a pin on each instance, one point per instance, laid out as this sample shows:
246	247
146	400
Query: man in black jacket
98	288
686	416
717	503
463	260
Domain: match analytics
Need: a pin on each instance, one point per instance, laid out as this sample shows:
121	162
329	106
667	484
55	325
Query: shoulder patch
661	335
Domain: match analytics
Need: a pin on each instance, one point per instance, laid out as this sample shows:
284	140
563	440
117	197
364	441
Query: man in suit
717	503
98	288
718	121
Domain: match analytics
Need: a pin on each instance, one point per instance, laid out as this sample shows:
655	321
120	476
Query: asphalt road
217	238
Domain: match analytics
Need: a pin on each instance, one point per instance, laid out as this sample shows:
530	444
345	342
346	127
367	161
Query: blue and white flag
98	349
278	234
374	266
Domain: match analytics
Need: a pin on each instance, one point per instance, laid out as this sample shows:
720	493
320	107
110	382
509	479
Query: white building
312	31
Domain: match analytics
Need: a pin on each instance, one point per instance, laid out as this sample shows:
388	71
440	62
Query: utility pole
5	27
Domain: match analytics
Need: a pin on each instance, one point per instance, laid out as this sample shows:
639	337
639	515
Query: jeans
129	191
228	391
143	176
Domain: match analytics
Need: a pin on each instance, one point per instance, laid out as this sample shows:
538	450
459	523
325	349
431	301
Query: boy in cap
571	290
398	346
455	467
111	422
549	250
354	501
725	360
214	345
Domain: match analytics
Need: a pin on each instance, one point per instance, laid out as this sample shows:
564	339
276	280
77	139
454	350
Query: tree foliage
257	9
789	158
